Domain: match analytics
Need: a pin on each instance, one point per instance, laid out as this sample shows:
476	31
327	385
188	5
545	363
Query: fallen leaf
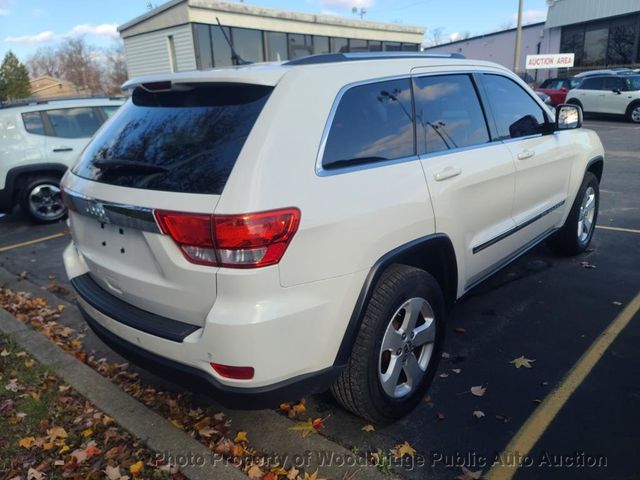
587	265
293	473
136	468
616	303
440	416
445	355
255	472
478	413
87	432
456	370
368	428
57	432
206	432
113	473
308	427
27	442
478	390
403	449
521	361
503	418
468	474
29	363
460	330
241	437
12	386
33	474
298	409
444	375
4	353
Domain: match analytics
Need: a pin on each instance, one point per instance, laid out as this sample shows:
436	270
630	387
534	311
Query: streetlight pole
516	58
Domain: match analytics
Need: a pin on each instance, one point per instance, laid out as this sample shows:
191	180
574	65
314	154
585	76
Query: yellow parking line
31	242
523	441
618	229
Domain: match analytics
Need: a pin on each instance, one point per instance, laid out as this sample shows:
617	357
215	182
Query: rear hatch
170	147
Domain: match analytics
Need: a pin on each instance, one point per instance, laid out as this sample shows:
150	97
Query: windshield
180	140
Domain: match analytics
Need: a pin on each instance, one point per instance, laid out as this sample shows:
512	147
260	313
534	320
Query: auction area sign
552	60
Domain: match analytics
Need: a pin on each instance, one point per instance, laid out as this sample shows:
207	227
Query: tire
40	198
574	236
633	112
360	388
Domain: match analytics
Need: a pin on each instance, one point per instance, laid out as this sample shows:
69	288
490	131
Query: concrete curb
156	432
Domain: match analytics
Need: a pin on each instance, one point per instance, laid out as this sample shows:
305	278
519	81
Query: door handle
448	172
524	154
63	149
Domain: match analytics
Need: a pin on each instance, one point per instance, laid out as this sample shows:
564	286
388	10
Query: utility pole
516	58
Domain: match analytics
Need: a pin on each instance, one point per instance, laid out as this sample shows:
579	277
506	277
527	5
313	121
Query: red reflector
238	241
237	373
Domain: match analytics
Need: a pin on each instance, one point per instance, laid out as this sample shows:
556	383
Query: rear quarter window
180	140
79	122
372	122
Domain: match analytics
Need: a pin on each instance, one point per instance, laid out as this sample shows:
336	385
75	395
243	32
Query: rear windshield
184	140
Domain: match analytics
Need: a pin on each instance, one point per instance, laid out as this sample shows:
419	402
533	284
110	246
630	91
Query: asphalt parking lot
544	307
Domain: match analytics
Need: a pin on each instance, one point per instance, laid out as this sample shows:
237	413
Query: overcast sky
26	25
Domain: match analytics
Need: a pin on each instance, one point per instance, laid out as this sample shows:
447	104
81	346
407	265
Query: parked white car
279	230
609	94
39	140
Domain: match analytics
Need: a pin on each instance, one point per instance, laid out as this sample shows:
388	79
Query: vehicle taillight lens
237	373
238	241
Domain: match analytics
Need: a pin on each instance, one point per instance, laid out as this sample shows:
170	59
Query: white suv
39	140
610	94
278	230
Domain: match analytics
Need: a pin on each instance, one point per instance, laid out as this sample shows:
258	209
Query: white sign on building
554	60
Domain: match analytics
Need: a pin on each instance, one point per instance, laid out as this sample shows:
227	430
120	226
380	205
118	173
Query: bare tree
465	35
117	69
436	36
91	69
44	62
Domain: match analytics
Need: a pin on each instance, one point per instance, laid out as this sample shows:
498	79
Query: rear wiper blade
128	167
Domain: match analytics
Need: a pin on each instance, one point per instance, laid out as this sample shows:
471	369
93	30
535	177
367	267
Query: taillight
237	373
239	241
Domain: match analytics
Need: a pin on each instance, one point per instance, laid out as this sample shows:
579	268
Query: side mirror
568	117
617	90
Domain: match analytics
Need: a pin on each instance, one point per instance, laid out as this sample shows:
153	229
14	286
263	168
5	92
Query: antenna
235	58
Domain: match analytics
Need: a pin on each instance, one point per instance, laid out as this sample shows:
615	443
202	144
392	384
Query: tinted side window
74	122
596	83
614	83
109	111
373	122
448	113
33	123
515	112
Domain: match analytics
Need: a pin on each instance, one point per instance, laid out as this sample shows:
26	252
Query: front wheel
397	349
576	233
41	198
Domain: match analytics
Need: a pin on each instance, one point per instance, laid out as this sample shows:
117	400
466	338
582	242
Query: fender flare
408	254
8	194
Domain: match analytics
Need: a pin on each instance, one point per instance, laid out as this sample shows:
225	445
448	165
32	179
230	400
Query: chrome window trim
319	169
120	214
322	172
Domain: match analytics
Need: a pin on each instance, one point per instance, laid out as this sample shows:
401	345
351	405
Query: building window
204	52
173	61
622	36
573	42
356	45
248	44
221	49
392	46
339	45
321	44
595	44
410	47
375	46
300	45
276	47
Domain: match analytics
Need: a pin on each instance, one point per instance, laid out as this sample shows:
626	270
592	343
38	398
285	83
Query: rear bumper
197	380
289	335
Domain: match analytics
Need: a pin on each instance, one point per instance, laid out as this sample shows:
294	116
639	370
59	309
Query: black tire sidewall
567	238
630	109
417	284
26	191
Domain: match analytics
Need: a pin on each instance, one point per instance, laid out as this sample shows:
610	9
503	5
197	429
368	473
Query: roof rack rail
348	57
23	102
